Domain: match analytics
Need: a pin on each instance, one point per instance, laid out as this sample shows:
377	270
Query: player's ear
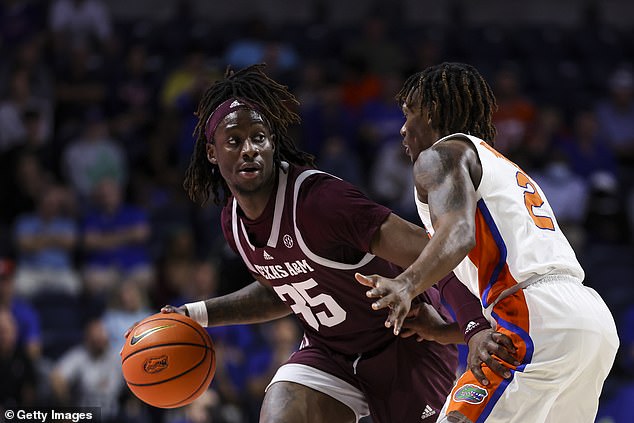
273	138
211	153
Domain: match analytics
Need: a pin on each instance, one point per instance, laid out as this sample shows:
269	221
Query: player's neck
253	203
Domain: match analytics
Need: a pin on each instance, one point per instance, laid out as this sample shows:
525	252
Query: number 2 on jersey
298	292
533	200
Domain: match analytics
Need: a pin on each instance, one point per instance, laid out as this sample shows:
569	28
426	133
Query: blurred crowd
96	122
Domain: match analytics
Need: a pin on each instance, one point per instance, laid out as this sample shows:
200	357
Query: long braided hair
458	97
272	99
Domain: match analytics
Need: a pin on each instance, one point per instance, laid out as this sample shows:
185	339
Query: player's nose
249	148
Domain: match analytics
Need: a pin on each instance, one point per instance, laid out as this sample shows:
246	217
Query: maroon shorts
406	381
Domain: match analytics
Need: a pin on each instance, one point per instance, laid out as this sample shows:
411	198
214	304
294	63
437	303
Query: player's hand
424	321
130	329
394	294
173	309
165	309
486	344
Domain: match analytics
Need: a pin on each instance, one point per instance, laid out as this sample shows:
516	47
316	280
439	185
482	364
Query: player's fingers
495	365
130	329
407	332
394	318
382	302
476	369
401	313
168	309
504	355
414	312
505	341
366	280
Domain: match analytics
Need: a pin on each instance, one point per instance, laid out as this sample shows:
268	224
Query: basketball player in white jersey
491	224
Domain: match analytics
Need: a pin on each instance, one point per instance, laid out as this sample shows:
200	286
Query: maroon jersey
314	234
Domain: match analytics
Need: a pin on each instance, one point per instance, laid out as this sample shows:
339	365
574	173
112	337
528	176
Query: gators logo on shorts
155	364
470	393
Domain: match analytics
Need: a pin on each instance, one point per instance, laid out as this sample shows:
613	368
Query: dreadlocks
272	100
459	99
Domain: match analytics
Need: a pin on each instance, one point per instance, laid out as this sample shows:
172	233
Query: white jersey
517	236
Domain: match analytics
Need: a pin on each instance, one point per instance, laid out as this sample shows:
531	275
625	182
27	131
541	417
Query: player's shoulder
322	183
454	145
449	150
323	196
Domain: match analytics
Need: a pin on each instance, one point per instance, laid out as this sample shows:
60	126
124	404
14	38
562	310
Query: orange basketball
168	360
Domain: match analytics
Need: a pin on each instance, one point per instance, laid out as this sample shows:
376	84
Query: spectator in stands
28	56
380	122
616	120
17	367
327	115
391	181
13	108
381	118
337	158
80	22
132	100
45	242
535	152
94	156
26	318
192	71
115	240
26	168
568	194
127	307
80	86
20	20
205	409
176	264
516	113
89	375
375	46
257	43
587	149
202	281
358	84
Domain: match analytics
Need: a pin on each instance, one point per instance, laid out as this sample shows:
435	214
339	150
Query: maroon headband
222	111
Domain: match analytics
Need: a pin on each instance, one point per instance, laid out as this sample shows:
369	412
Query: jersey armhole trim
300	241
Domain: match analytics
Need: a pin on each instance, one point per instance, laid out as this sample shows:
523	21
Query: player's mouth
250	170
406	148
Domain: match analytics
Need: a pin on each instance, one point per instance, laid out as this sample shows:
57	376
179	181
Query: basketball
168	360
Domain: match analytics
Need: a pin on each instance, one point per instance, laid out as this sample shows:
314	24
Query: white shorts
570	347
323	382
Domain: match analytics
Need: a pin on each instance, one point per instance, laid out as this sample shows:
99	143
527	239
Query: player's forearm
446	249
466	307
254	303
449	334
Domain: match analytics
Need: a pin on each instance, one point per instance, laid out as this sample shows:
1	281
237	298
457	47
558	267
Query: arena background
96	103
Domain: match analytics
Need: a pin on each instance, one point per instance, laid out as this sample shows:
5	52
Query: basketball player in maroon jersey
303	234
